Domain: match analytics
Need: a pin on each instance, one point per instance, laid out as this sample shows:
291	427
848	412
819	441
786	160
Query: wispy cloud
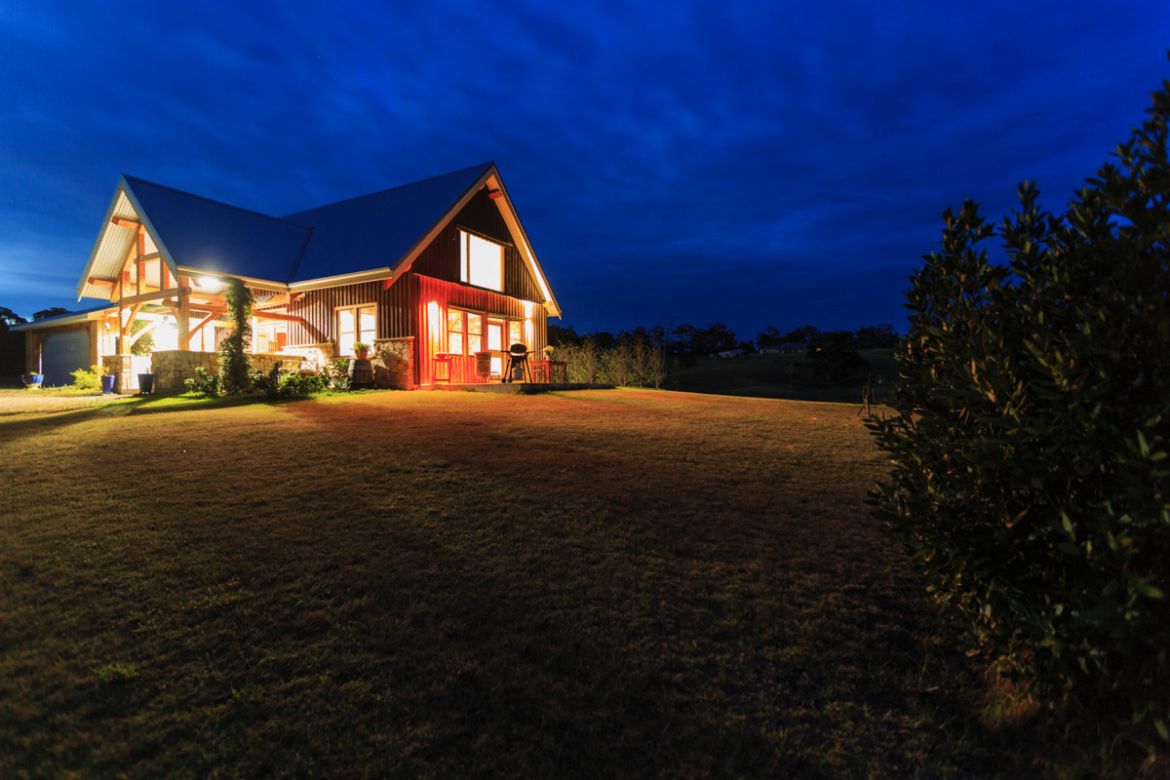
755	163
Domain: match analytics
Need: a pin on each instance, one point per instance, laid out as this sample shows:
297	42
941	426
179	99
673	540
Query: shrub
1031	479
269	383
88	378
302	384
203	383
338	375
233	351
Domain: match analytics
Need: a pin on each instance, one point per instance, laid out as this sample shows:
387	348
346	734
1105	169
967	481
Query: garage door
63	353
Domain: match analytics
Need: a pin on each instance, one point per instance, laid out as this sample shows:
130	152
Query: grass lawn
595	583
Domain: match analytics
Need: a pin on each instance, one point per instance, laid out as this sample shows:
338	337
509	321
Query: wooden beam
147	328
156	296
204	321
184	318
122	222
128	321
99	280
269	315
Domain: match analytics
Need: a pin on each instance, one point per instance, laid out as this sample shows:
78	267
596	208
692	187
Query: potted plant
361	350
32	380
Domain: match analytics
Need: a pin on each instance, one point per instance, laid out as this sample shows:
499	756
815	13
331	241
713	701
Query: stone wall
126	368
316	356
170	367
264	362
393	361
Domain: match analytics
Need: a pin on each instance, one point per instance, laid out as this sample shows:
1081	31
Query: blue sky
754	163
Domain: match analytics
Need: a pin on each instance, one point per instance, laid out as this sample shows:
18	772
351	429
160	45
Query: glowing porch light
433	334
209	283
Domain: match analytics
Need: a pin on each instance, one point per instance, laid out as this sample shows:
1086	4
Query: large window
464	332
355	323
481	261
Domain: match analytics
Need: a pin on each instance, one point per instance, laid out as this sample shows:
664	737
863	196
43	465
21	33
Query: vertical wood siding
402	309
444	293
440	259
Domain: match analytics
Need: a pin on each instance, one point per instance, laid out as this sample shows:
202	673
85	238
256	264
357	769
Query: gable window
481	262
355	323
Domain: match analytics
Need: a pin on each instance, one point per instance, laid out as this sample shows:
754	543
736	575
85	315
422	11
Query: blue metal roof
379	229
359	234
57	319
213	236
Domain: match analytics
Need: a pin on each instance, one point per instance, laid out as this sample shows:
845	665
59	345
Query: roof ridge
479	167
206	199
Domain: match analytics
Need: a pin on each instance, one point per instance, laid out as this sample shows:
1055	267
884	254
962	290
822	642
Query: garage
62	353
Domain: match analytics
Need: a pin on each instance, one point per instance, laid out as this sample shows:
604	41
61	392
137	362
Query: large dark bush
1030	478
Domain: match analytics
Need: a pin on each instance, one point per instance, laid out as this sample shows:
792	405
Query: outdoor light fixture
209	283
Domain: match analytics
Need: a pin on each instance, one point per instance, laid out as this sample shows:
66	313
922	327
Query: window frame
465	237
357	322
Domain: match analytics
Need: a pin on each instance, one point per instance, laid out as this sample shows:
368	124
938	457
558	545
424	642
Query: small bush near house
292	385
88	379
1031	443
338	375
269	383
204	383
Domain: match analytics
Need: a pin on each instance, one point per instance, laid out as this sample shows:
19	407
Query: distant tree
769	337
800	335
559	335
50	312
877	337
747	346
834	357
8	318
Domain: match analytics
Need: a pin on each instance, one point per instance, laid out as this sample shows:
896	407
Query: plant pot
361	354
108	381
145	384
32	380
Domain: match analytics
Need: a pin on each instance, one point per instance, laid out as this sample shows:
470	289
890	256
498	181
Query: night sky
772	163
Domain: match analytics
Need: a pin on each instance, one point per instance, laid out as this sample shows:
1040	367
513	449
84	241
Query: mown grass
443	584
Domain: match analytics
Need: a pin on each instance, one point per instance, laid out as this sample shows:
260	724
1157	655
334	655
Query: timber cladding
398	308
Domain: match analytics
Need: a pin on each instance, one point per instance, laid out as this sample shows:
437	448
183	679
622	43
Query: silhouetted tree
50	312
8	318
877	337
769	337
833	356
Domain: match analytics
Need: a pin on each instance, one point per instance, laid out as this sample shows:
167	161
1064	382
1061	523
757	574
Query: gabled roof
217	237
379	229
377	235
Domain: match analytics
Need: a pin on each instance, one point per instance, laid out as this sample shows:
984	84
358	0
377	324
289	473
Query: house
434	272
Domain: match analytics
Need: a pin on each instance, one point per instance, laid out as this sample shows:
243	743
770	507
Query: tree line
644	357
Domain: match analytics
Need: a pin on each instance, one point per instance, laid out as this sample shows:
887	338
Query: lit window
514	333
474	333
454	332
495	335
481	261
354	324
